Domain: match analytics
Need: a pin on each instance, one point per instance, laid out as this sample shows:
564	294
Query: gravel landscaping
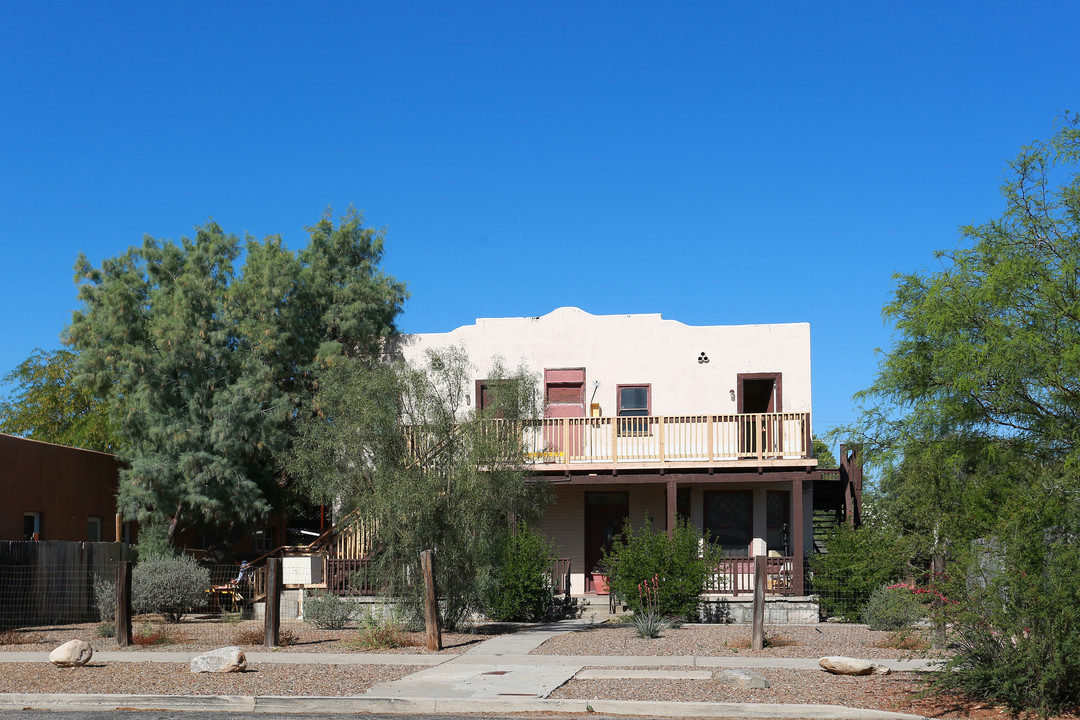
888	692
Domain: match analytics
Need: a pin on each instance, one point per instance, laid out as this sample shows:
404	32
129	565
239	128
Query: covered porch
745	514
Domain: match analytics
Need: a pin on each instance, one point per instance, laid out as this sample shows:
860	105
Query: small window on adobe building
634	404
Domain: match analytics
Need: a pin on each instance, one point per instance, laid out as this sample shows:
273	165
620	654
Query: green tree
821	452
46	404
396	441
988	347
206	369
973	424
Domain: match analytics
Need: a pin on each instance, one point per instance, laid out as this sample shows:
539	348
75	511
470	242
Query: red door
605	515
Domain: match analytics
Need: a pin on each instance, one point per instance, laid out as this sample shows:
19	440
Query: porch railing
668	438
560	576
350	576
735	576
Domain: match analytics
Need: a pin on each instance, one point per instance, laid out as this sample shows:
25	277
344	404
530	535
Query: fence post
272	626
431	602
937	569
757	635
122	617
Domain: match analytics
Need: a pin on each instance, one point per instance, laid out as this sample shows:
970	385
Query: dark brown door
759	393
605	515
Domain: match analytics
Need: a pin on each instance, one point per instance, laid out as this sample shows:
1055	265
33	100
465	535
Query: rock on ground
840	665
742	678
222	660
73	653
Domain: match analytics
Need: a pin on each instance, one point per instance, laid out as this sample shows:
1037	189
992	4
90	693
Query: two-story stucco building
647	417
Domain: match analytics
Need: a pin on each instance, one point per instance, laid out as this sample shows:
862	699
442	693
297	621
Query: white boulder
840	665
222	660
73	653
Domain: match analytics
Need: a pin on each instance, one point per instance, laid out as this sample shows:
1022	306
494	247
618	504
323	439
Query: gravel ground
177	679
782	641
889	692
785	686
202	634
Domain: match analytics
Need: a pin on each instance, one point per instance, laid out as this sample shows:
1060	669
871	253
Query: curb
405	705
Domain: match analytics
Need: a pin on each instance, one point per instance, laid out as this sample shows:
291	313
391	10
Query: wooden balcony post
709	439
565	440
660	435
614	438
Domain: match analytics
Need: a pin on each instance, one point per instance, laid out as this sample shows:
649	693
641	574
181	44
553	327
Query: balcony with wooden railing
669	441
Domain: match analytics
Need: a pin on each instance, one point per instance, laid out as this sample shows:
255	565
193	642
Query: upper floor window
634	404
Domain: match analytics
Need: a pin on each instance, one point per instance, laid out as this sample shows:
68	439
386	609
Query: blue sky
719	163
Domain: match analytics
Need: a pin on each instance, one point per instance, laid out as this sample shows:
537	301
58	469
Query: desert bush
1016	634
522	588
105	597
106	630
169	586
892	607
381	634
327	611
677	564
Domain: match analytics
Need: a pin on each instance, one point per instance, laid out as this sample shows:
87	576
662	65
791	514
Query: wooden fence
52	582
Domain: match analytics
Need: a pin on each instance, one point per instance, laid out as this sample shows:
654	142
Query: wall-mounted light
468	399
732	394
702	359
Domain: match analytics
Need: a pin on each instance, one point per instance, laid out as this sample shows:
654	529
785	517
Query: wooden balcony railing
680	439
735	576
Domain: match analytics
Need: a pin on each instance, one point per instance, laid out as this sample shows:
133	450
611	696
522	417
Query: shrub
1017	633
856	562
169	586
149	635
327	611
678	565
381	634
522	588
892	607
106	630
105	597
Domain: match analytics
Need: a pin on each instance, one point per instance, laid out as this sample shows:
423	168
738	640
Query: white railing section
664	438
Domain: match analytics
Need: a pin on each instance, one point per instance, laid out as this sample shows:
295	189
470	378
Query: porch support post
797	530
671	495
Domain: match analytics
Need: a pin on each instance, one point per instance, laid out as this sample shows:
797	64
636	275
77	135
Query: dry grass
771	641
257	636
150	636
904	640
17	637
383	636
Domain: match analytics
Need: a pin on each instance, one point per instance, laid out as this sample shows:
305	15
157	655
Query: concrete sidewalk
497	675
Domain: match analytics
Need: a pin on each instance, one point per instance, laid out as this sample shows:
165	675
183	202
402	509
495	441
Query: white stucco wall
637	349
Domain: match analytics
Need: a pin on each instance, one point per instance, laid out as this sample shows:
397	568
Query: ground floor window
729	520
32	526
